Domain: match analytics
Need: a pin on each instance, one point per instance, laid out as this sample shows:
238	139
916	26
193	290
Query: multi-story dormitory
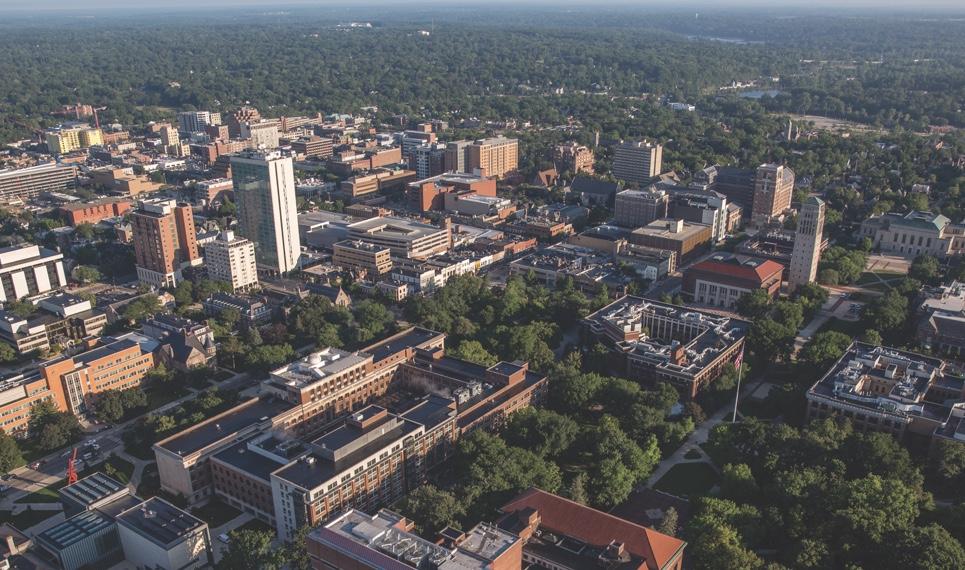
340	429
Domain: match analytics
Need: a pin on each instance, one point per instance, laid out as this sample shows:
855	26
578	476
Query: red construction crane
97	121
71	469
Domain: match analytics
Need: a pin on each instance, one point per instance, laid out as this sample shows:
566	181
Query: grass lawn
113	466
46	495
688	479
216	513
157	396
255	524
27	518
850	328
150	482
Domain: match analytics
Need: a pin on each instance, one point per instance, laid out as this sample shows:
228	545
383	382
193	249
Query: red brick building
93	212
724	278
541	519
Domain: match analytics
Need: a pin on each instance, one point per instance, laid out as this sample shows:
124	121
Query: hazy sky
128	5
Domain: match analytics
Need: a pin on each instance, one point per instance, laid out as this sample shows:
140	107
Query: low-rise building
362	257
29	270
157	534
659	342
574	157
941	327
608	240
115	364
404	238
26	183
253	311
914	234
564	535
95	211
894	391
635	208
184	344
589	269
428	194
684	238
649	263
61	319
371	460
107	525
385	541
723	278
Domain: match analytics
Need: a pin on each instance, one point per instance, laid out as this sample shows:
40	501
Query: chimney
677	353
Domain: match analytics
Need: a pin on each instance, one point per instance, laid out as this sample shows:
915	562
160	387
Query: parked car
224	538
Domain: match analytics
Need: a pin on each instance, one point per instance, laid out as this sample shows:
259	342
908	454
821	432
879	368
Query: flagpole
740	372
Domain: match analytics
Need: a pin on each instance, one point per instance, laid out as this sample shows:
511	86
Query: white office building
231	258
28	270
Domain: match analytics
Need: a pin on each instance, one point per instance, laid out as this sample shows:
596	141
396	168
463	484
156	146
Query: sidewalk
699	436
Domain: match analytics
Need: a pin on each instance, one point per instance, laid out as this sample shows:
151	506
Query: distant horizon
122	6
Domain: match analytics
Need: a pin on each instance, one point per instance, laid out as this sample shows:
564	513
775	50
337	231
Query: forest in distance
892	72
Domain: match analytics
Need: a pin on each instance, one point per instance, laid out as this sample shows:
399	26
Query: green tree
184	293
738	483
668	524
576	490
251	550
10	456
7	353
924	548
754	305
109	407
86	274
431	508
474	351
85	231
925	268
887	313
295	553
22	309
51	428
544	432
824	349
872	507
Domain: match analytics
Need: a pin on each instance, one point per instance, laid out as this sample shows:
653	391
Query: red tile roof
595	527
733	266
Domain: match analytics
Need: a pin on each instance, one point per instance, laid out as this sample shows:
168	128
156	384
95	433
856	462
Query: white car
224	538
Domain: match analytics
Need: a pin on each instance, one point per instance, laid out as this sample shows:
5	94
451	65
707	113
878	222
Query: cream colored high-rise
231	258
494	156
807	243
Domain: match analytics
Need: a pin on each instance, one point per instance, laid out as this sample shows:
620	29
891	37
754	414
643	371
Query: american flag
739	360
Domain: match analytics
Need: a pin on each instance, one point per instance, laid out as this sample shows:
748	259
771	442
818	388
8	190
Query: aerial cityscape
507	286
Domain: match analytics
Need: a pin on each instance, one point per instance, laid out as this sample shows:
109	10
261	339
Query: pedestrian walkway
699	436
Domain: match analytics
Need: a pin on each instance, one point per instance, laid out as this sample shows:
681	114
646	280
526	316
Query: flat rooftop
317	366
449	178
160	522
379	541
241	457
395	228
234	420
342	448
666	228
15	255
75	529
888	380
627	322
94	488
415	337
